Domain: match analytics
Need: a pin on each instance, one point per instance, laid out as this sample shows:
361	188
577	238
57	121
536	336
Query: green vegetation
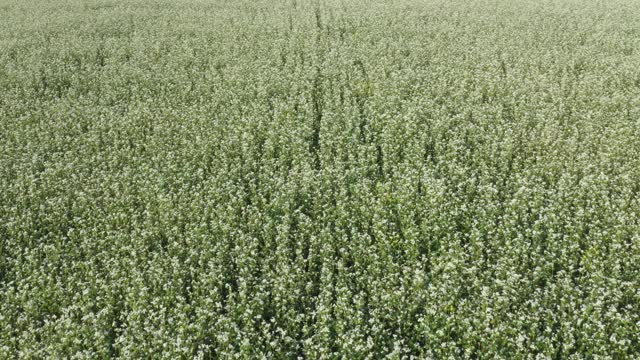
320	179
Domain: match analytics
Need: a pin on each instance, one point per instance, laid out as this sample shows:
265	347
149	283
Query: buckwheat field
320	179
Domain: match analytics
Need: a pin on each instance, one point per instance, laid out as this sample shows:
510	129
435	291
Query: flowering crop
320	179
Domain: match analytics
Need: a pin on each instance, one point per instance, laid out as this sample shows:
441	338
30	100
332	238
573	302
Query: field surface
320	179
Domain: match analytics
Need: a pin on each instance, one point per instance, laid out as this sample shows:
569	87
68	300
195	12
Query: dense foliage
320	179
